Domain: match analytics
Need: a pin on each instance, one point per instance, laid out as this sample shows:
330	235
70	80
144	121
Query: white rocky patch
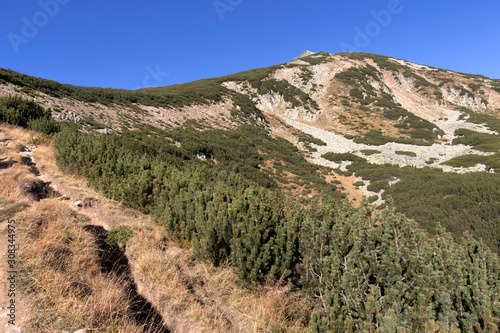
437	152
451	123
275	103
413	65
298	62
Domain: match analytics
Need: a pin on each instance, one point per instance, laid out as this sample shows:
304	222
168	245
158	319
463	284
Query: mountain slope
373	108
250	171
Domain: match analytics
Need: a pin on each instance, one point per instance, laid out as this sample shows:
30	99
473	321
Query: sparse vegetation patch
406	153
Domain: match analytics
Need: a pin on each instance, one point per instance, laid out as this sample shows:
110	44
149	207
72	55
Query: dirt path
101	213
74	192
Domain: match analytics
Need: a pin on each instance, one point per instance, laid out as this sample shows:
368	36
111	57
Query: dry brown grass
62	276
59	260
45	158
194	296
15	182
18	133
14	176
354	194
45	155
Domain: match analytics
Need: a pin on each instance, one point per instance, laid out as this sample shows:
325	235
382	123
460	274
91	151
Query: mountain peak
305	54
297	61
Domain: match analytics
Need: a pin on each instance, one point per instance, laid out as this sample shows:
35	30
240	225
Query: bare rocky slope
437	96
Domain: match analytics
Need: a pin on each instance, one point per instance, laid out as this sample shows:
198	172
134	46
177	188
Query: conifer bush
18	111
45	125
361	270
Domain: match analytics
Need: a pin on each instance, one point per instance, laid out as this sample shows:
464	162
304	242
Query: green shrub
419	80
478	118
306	74
376	138
480	141
317	60
119	236
247	108
378	185
320	247
474	87
307	140
465	160
18	111
463	91
91	122
365	260
338	157
407	153
369	152
360	270
44	125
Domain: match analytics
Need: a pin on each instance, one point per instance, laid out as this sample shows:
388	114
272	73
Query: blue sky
134	44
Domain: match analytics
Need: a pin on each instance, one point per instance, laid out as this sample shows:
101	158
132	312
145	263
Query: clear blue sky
118	44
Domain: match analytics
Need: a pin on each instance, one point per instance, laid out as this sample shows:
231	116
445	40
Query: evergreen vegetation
308	139
378	185
382	61
377	138
369	152
339	157
459	202
480	141
361	270
119	236
381	273
362	92
315	59
45	125
406	153
198	92
28	114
